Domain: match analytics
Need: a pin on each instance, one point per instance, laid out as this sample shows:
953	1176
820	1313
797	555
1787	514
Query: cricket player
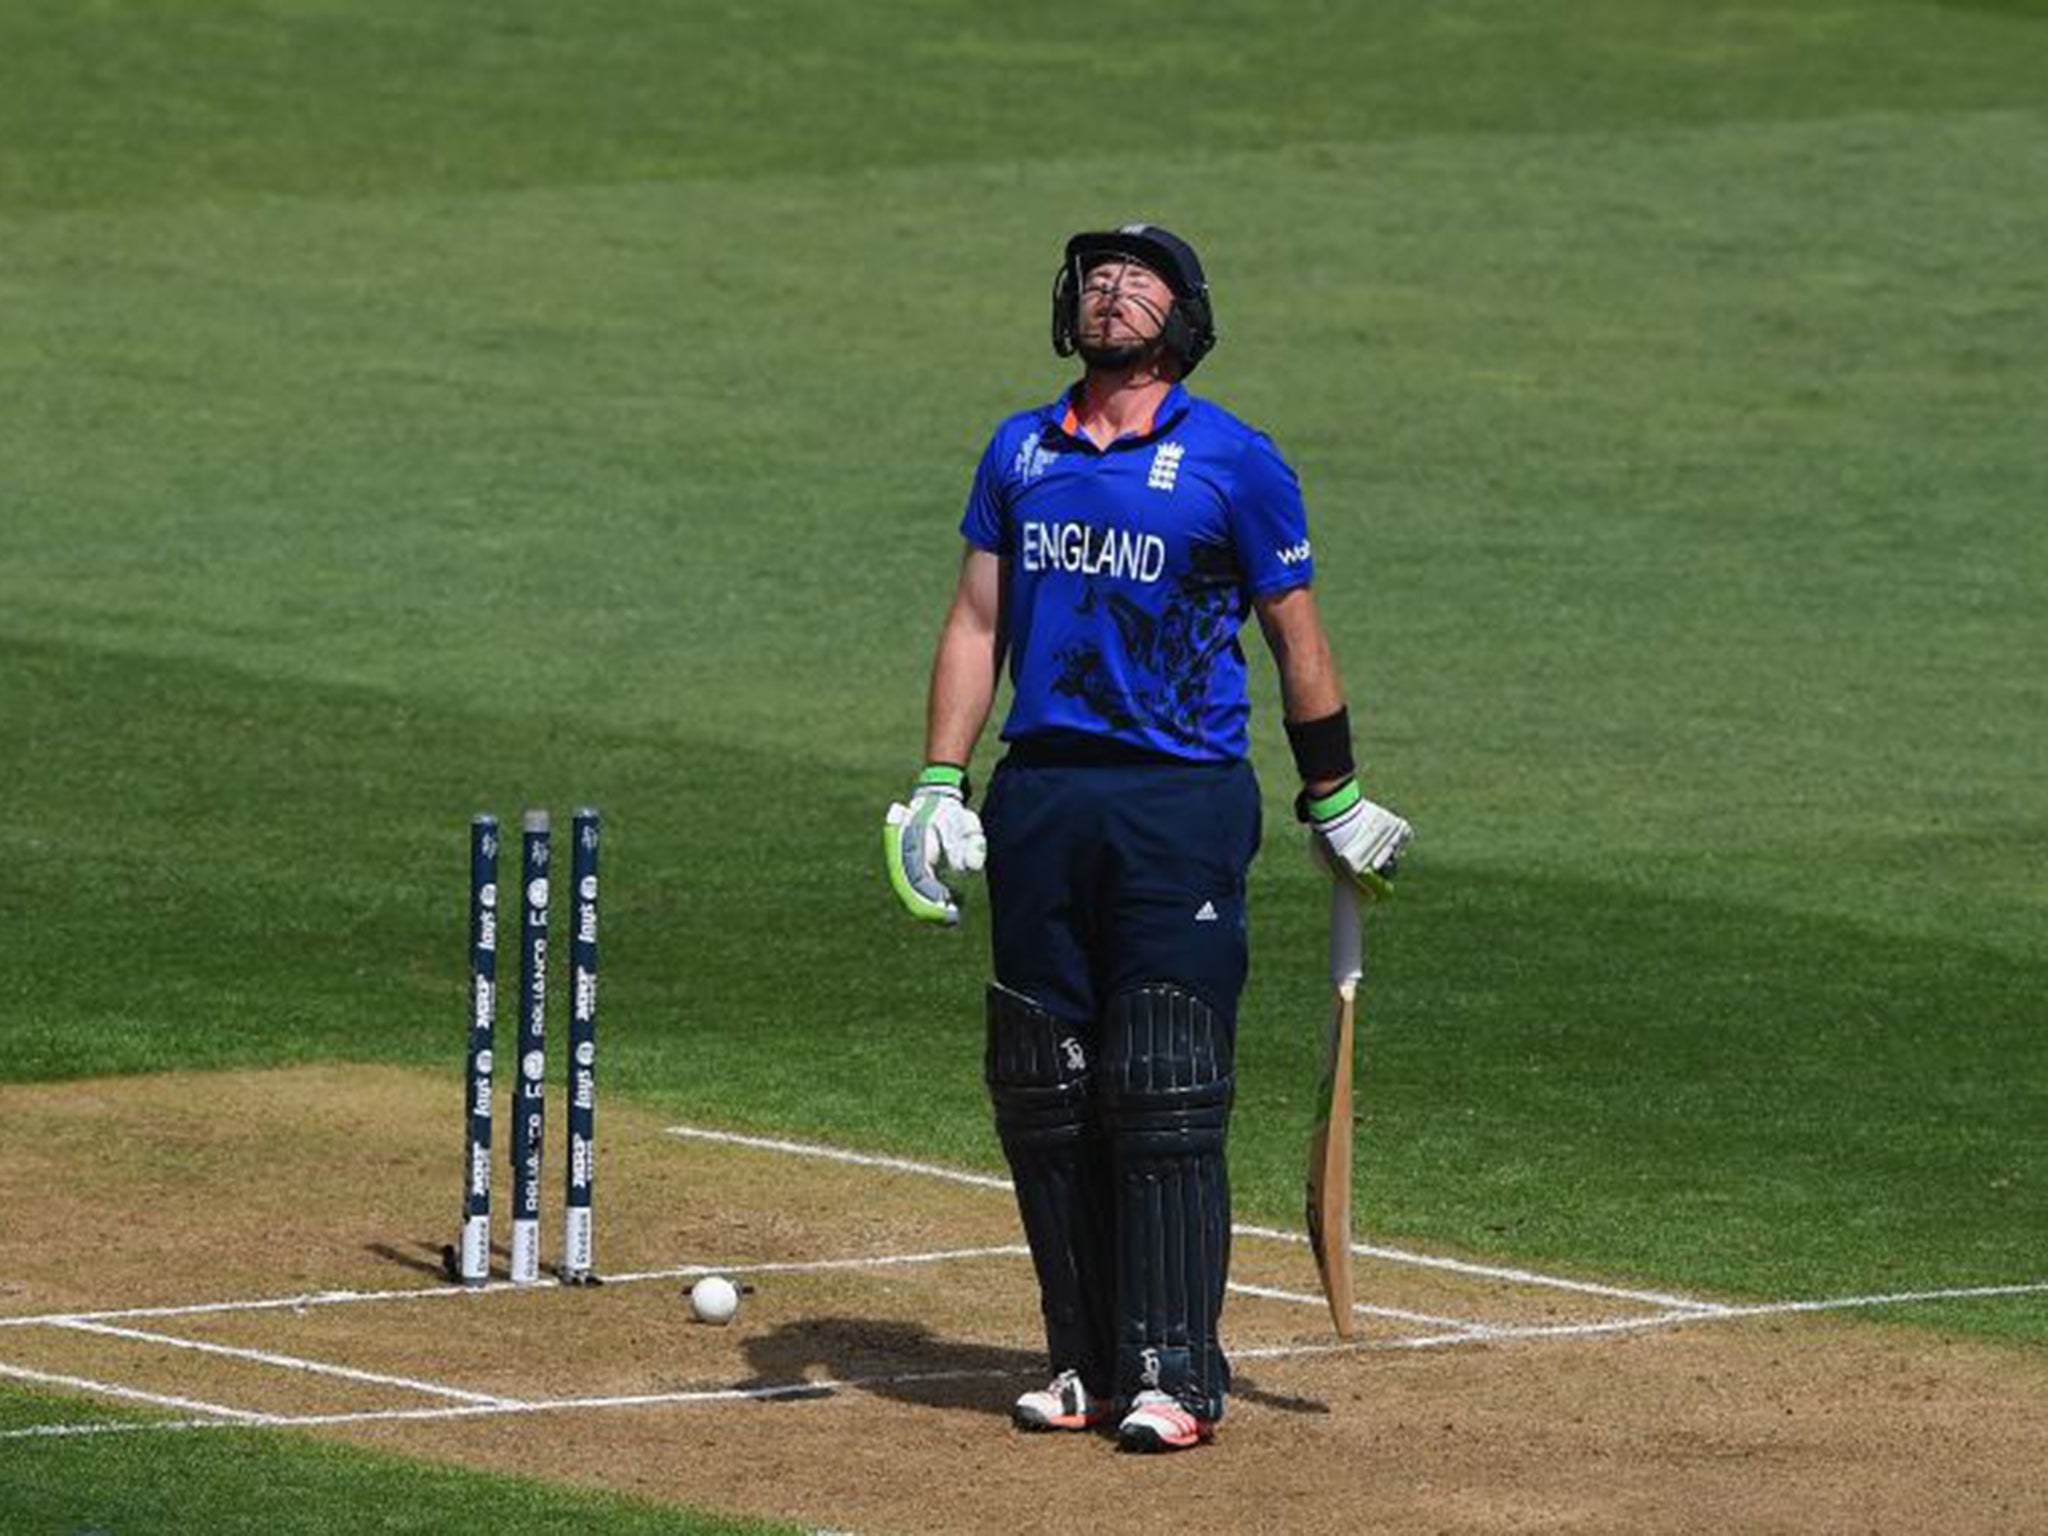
1117	539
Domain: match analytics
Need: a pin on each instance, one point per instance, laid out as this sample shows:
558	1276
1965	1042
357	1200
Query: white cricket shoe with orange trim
1158	1422
1063	1403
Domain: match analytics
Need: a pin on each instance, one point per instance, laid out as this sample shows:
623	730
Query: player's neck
1113	403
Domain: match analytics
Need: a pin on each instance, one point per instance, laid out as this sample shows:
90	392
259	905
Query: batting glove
1353	838
936	826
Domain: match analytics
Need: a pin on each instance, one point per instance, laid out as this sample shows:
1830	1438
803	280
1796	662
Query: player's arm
967	663
936	829
1310	688
1348	832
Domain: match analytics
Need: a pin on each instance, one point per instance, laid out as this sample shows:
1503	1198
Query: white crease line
1499	1272
791	1389
285	1362
1348	1346
497	1287
1772	1309
113	1389
1671	1300
781	1390
813	1266
260	1304
1894	1299
1302	1299
824	1387
1389	1255
841	1155
1677	1308
1485	1333
1460	1335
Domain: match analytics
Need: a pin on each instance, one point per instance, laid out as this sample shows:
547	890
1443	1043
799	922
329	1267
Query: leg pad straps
1166	1082
1039	1078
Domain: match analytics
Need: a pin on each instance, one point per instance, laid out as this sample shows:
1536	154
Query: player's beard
1120	358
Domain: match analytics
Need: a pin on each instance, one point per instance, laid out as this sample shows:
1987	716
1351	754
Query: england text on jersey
1087	551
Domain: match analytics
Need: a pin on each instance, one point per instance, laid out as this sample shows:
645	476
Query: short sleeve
985	523
1268	522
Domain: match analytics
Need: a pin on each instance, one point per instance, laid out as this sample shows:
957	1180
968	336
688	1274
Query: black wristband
1322	748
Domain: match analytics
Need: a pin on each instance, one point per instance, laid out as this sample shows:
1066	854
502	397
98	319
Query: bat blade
1329	1148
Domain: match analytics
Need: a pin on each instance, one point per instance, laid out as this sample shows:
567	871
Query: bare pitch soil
172	1191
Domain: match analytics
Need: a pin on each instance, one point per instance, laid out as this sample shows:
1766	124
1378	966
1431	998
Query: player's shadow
902	1361
907	1363
1247	1391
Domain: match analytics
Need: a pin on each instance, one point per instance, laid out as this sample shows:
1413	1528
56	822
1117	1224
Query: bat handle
1347	937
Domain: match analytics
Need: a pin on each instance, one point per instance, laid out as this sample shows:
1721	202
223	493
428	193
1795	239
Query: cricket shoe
1158	1422
1064	1403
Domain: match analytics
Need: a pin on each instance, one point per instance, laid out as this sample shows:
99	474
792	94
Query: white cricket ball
714	1299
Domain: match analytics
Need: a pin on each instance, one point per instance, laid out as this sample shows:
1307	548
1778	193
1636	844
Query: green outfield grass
412	410
244	1481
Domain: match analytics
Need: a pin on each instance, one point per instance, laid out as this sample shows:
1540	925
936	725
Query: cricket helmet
1190	329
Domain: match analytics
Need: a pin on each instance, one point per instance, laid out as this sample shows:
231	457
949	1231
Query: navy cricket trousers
1108	868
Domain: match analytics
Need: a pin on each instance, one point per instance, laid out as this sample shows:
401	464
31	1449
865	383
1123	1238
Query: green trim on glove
949	775
1373	884
1336	802
919	903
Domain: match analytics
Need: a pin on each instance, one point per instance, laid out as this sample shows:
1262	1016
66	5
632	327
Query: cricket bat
1329	1144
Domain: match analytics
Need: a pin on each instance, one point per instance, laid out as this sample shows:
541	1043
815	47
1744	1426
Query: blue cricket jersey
1132	568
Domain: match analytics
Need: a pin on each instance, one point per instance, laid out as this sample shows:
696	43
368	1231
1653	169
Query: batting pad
1040	1081
1167	1082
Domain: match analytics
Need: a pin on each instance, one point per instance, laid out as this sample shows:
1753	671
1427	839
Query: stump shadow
419	1256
